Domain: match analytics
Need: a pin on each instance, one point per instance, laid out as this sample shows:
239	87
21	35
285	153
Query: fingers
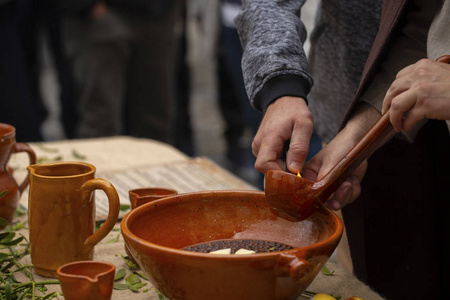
299	145
287	118
347	192
421	90
267	153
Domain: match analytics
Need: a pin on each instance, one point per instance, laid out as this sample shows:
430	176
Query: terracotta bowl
156	232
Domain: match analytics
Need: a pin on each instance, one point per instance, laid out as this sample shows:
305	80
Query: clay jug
61	214
8	146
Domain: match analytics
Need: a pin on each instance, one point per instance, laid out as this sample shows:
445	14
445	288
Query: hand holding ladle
296	198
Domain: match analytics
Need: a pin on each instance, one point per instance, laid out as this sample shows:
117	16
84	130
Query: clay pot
87	280
8	146
156	232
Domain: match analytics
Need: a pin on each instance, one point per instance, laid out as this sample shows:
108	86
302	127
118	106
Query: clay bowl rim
60	271
337	234
170	191
91	169
7	130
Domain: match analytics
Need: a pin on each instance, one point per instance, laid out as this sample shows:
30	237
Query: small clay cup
145	195
142	196
87	280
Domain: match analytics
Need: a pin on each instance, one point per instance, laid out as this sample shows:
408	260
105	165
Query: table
116	156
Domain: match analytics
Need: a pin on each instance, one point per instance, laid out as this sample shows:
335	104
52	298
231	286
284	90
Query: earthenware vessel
8	146
156	234
144	195
87	280
61	214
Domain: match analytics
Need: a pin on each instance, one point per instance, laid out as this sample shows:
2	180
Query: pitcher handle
113	215
22	147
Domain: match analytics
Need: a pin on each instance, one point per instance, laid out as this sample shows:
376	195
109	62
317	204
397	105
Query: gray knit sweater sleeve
272	36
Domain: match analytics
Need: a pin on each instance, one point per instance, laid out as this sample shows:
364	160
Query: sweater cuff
279	86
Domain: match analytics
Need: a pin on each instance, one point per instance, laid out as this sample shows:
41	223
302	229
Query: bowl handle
297	267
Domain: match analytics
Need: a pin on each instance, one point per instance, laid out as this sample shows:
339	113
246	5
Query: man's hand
286	118
421	90
316	168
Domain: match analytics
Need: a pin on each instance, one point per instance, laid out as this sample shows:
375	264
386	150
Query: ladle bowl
157	232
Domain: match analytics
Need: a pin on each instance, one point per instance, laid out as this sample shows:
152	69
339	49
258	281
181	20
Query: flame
299	175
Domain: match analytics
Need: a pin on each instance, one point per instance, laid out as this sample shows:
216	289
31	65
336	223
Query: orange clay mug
87	280
8	185
142	196
62	214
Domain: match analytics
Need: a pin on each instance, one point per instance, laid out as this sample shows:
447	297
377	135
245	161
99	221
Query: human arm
275	68
420	90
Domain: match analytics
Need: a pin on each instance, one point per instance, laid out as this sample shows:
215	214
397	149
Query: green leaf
130	264
133	279
50	296
326	271
3	222
77	155
120	286
124	207
120	274
160	296
18	226
14	242
3	255
3	193
6	236
141	275
8	290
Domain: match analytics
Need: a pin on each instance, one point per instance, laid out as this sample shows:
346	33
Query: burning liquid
259	246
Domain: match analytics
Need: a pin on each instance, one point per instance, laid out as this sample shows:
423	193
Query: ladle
296	198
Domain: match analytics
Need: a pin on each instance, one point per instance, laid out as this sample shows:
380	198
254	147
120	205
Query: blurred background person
20	103
122	54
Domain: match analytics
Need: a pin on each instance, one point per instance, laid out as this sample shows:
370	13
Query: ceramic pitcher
87	280
61	214
8	185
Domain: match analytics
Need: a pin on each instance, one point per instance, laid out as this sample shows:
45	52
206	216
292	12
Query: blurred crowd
122	69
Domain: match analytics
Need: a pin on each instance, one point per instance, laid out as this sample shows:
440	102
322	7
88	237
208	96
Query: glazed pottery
144	195
87	280
61	214
156	233
8	146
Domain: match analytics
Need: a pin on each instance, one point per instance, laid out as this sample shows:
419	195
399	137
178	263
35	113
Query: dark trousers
398	228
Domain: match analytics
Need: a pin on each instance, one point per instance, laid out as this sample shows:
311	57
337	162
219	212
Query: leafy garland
10	287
